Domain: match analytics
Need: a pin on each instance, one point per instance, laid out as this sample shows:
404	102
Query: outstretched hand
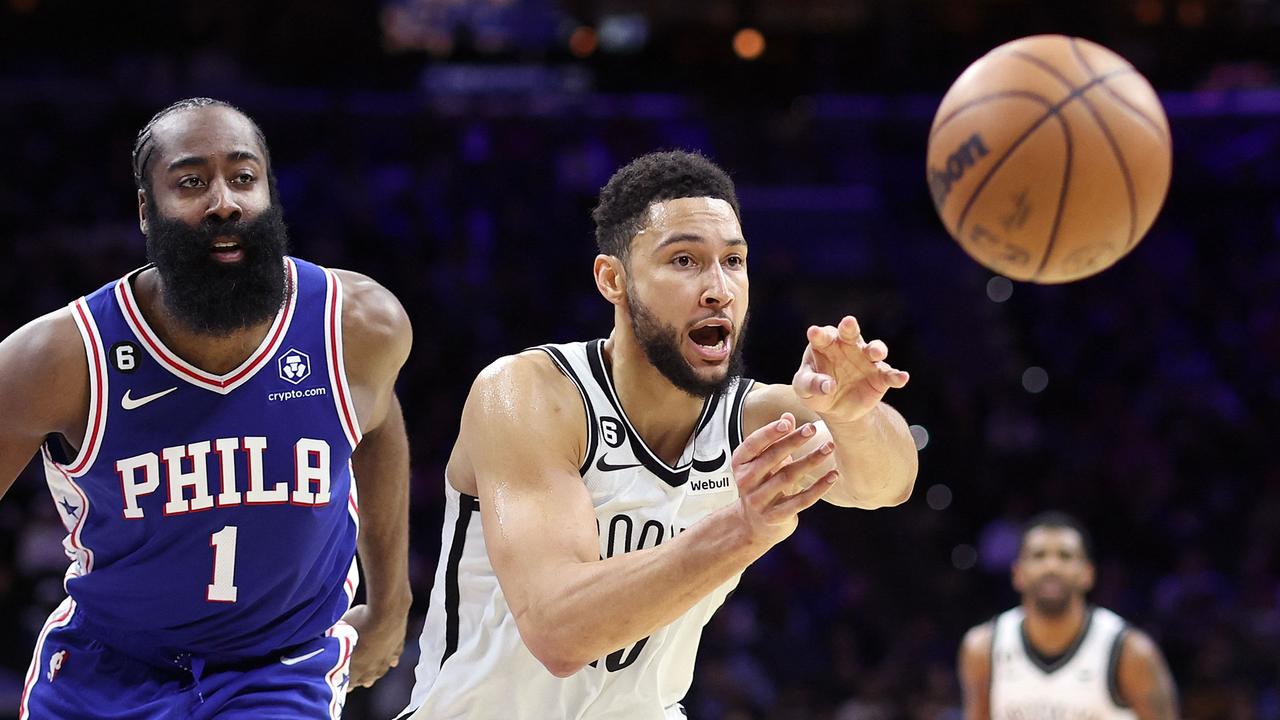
841	376
773	485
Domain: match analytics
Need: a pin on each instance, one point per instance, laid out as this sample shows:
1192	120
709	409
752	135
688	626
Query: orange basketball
1049	159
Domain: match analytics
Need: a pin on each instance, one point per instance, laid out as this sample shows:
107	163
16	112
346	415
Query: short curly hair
649	179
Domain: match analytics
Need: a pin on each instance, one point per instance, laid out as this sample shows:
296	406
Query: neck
664	415
217	354
1053	634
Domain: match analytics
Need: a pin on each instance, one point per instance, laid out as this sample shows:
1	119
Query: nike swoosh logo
707	466
129	403
300	658
603	466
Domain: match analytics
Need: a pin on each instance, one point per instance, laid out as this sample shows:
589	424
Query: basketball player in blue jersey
205	423
1055	656
603	497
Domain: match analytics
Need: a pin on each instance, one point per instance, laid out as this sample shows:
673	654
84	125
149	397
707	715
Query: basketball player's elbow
554	653
877	495
551	645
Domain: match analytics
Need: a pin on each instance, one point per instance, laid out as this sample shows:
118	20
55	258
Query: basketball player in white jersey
1055	656
604	497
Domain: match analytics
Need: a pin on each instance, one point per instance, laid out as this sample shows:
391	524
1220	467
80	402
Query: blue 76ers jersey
211	515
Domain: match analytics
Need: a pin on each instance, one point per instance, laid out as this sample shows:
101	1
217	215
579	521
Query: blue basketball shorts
73	675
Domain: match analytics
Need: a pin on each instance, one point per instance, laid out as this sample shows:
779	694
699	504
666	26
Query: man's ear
142	211
611	278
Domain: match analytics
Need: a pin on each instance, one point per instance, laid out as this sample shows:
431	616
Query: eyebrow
199	160
694	237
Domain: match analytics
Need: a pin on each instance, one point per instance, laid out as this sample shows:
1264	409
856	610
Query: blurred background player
199	422
595	517
1055	656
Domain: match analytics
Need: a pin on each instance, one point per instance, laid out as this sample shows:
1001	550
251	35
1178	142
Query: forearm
876	457
381	466
587	610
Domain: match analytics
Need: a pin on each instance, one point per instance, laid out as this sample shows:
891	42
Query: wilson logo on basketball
965	156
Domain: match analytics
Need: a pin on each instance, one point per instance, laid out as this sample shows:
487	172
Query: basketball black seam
1051	112
987	98
1062	197
1155	126
1106	131
1115	149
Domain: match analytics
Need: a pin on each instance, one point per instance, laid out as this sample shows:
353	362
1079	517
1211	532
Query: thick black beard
215	298
661	345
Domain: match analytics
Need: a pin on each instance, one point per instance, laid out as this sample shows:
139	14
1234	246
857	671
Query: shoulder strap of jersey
566	367
739	400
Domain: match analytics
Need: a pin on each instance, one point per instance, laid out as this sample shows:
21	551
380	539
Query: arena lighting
1035	379
920	435
623	33
999	289
748	43
583	42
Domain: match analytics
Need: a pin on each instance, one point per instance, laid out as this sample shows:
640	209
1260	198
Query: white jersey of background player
1055	657
595	519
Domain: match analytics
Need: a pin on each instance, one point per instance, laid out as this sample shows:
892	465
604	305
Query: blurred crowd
1143	400
1155	424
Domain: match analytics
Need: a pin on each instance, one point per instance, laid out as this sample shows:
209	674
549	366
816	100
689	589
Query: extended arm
523	433
840	383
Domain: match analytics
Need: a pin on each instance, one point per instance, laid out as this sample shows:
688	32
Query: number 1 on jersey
223	587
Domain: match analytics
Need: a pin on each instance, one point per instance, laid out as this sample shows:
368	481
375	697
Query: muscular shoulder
527	382
1139	654
975	660
1143	678
976	645
44	354
376	330
53	337
527	395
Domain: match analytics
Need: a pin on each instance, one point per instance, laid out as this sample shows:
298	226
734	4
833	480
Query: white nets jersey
474	664
1079	685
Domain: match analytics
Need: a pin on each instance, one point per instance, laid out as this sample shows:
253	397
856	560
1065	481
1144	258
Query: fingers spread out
767	449
876	351
760	440
785	506
850	331
821	337
787	480
808	383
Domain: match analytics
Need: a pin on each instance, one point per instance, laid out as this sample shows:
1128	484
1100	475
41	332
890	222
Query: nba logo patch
295	366
55	663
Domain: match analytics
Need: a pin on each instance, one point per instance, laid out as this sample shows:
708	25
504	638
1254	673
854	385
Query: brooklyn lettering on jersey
626	533
188	476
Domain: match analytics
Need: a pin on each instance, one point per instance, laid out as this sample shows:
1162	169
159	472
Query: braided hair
144	146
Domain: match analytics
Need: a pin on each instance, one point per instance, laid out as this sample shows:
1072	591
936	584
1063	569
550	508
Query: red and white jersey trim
221	384
60	617
333	348
338	685
96	355
62	487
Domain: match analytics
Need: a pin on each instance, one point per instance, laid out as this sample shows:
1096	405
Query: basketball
1049	159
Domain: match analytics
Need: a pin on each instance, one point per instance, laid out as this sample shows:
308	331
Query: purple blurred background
452	149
